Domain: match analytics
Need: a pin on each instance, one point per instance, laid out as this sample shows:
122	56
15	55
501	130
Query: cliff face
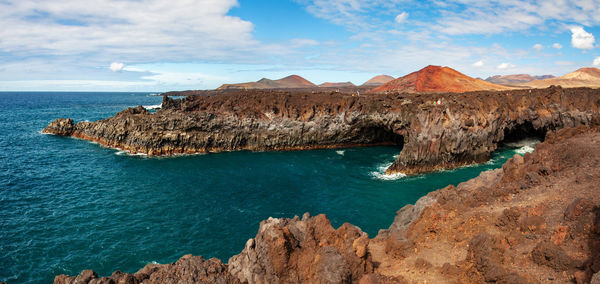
537	219
461	129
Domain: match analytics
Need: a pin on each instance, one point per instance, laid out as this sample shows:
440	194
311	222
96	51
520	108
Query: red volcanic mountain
293	81
337	85
378	81
437	79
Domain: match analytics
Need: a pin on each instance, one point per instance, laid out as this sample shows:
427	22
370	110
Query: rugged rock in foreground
536	220
436	131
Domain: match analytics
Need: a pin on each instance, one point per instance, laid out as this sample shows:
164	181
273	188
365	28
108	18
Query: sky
157	45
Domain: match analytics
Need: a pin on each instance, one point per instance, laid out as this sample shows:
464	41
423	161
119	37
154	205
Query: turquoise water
68	205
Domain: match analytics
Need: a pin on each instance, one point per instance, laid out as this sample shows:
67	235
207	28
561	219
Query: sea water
68	204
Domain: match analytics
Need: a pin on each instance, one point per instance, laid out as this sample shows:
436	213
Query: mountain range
583	77
516	79
293	81
437	79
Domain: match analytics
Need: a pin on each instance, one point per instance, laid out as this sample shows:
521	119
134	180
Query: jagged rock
578	208
494	228
549	254
462	129
188	269
307	250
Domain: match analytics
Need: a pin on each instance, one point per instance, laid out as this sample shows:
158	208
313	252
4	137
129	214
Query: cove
69	205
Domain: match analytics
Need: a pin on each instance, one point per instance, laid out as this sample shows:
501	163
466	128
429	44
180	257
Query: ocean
68	204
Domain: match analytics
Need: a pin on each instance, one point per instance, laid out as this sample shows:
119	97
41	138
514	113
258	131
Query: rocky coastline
535	220
432	131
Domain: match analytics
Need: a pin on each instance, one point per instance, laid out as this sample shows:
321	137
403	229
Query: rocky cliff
535	220
433	131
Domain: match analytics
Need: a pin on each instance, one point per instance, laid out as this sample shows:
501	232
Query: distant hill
378	81
337	85
516	79
437	79
584	77
293	81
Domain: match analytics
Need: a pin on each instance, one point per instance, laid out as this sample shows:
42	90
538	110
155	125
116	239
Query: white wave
380	173
121	152
340	152
150	107
525	142
525	149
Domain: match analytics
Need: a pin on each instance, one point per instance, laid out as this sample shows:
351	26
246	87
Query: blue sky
155	45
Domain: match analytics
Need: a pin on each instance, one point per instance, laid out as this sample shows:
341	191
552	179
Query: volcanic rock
451	235
432	131
437	79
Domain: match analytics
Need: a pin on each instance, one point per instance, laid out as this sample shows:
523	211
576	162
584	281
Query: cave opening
521	132
379	135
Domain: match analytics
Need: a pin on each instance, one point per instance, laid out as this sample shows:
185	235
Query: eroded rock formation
535	220
436	131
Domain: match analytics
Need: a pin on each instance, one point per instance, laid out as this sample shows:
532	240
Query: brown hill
337	85
293	81
584	77
378	80
437	79
516	79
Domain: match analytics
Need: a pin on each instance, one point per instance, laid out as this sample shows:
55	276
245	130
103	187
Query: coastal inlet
434	131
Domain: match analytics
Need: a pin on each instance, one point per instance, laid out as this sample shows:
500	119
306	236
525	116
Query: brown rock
577	208
381	279
432	137
549	254
294	250
559	234
532	224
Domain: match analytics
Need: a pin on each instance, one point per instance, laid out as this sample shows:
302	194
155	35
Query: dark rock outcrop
436	131
469	233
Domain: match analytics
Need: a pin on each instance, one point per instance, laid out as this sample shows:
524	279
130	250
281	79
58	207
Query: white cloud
505	65
355	15
557	45
135	31
538	47
117	66
479	63
597	61
581	39
492	17
401	18
300	42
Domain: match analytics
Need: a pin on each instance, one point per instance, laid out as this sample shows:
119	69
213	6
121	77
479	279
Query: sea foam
151	107
381	175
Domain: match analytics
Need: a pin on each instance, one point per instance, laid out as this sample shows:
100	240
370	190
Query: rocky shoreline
535	220
434	131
